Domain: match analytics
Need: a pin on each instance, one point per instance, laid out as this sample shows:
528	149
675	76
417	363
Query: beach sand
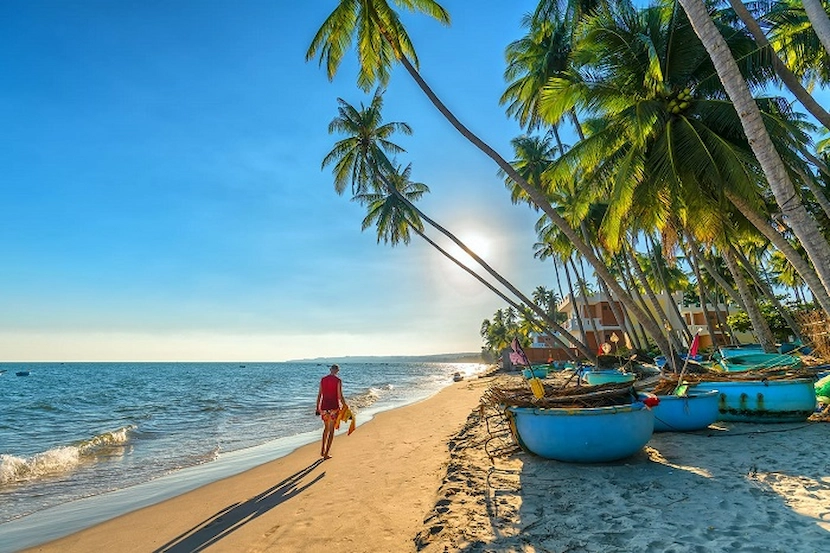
419	479
733	487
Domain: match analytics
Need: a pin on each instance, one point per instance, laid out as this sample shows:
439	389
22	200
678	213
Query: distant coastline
474	357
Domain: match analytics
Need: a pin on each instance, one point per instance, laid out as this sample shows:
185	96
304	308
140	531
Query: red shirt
330	386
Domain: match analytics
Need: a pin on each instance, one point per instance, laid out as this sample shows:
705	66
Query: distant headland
475	357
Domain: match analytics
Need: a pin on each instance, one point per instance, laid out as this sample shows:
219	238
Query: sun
477	242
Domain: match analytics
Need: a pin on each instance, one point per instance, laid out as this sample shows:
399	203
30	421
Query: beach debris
562	397
669	382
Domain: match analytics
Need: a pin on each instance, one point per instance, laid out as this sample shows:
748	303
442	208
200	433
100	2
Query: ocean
83	442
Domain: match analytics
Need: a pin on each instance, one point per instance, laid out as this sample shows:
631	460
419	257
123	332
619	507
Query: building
599	325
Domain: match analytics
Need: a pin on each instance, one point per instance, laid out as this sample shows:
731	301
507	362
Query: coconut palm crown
375	30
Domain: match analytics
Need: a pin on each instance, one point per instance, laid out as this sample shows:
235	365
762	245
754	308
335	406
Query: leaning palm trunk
804	270
787	77
615	310
495	274
820	22
820	165
583	292
818	193
579	322
655	303
803	225
768	293
493	289
619	316
634	290
699	257
704	300
759	324
657	260
539	199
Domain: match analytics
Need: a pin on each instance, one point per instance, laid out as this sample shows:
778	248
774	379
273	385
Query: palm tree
499	332
366	144
789	78
794	38
381	40
658	151
531	61
762	146
821	23
785	275
763	333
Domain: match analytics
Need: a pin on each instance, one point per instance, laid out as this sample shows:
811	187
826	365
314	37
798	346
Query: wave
369	397
61	459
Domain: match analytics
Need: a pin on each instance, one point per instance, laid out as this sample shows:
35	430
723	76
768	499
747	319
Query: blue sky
162	196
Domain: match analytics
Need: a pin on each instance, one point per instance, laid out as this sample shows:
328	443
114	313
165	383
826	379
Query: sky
162	197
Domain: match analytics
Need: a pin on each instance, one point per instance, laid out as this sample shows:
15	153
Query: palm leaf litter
561	397
669	381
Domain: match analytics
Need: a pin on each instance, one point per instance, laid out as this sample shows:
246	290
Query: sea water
81	442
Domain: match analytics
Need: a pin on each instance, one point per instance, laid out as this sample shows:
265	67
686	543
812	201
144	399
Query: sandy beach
418	479
371	496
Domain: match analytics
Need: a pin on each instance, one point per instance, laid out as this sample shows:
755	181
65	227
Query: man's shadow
234	516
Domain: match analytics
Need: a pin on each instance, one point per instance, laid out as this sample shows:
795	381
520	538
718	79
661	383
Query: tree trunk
820	22
805	271
787	77
768	293
583	291
635	291
579	324
803	225
641	343
658	309
759	324
704	300
694	248
818	193
657	260
615	308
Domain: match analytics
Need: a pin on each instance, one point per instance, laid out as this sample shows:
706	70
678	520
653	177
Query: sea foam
62	459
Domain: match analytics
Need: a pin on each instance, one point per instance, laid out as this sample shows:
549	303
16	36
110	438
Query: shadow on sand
233	517
732	487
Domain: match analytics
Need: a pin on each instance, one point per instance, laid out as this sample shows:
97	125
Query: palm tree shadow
233	517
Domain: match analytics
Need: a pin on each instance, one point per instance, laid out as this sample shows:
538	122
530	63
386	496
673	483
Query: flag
518	357
694	346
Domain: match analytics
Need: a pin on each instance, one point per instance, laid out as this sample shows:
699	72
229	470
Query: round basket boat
694	411
583	435
596	378
536	372
792	400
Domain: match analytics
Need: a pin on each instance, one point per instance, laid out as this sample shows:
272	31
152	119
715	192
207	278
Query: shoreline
415	436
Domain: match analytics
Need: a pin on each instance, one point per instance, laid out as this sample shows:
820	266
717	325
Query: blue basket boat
583	435
694	411
596	377
791	400
536	371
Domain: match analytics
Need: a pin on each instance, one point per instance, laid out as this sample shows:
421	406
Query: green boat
753	357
